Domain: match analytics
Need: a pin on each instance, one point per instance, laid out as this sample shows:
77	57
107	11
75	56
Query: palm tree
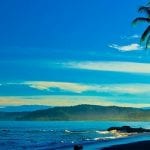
145	37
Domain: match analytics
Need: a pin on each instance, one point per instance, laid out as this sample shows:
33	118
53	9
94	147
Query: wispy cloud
134	36
116	66
53	100
66	86
126	48
81	88
126	88
68	101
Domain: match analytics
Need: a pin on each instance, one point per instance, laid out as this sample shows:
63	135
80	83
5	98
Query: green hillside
81	112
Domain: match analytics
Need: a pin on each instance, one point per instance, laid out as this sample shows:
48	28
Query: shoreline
140	145
129	140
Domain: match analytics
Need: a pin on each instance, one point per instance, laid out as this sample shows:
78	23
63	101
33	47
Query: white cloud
134	36
126	48
80	88
53	100
66	86
127	88
117	66
68	101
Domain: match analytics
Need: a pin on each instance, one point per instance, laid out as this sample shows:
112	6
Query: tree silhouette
145	37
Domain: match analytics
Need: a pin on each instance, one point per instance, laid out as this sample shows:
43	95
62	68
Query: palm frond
145	34
147	42
140	19
145	9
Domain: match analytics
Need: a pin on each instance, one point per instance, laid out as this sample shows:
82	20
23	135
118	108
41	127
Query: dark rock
128	129
78	147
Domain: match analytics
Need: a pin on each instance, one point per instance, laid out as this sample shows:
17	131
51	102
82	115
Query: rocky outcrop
128	129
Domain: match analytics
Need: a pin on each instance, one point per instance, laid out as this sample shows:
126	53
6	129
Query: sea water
40	135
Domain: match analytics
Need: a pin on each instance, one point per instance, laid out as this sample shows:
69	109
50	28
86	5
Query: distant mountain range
81	112
23	108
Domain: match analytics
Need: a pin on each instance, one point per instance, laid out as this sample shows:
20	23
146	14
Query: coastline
65	135
129	141
141	145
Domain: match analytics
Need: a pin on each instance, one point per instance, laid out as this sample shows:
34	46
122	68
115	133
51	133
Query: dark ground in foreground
142	145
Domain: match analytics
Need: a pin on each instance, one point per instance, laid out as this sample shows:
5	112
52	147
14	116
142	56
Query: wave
39	130
110	137
101	138
103	132
67	131
78	132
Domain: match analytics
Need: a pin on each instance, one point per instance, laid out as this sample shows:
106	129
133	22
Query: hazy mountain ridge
23	108
81	112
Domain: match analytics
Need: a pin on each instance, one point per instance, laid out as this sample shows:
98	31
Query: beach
141	141
142	145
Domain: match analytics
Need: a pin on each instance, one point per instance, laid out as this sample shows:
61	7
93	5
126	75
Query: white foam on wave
45	130
76	132
67	131
102	132
110	137
104	138
96	139
87	139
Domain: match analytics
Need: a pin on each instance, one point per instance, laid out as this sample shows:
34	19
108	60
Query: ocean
53	135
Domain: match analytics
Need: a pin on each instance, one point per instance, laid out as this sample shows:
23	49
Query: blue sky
72	52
